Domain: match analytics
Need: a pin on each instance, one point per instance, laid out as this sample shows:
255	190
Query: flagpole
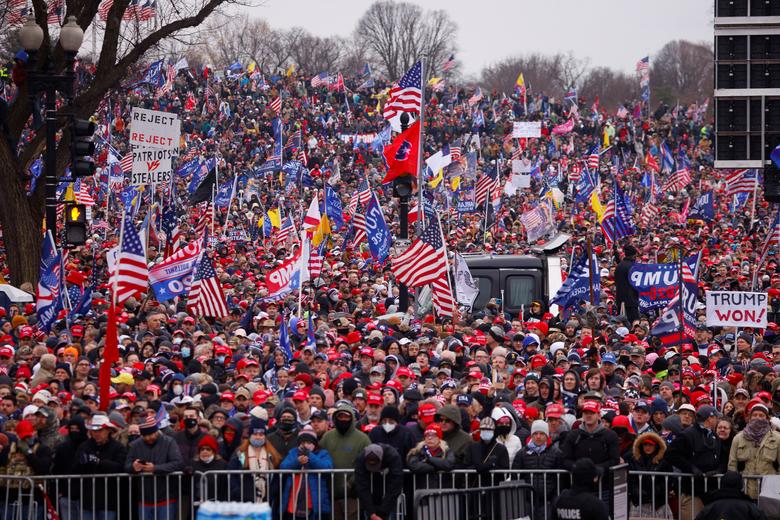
681	315
421	212
590	270
487	201
230	203
753	205
117	260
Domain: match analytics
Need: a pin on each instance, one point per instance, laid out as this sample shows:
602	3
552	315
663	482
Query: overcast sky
613	33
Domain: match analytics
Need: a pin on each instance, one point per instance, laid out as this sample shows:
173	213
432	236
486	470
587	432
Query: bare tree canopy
122	44
682	71
551	74
397	34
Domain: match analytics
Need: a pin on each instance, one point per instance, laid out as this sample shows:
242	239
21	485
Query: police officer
581	501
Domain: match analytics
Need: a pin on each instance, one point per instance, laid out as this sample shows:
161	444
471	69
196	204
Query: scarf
532	447
755	430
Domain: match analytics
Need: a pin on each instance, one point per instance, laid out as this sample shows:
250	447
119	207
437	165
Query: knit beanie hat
540	426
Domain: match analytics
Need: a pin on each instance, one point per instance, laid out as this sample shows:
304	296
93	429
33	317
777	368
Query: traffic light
75	224
82	148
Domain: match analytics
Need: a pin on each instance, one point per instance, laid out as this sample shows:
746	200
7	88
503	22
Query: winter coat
344	450
486	457
217	486
401	438
188	445
696	451
166	457
426	468
316	484
601	446
731	504
748	459
643	490
511	441
244	487
378	492
457	440
226	450
94	459
545	484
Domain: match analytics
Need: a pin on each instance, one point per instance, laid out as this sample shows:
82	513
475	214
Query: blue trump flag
377	233
154	74
284	339
656	284
222	198
703	208
189	168
334	208
576	288
49	302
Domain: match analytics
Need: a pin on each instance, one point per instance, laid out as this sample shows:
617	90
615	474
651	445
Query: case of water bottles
234	511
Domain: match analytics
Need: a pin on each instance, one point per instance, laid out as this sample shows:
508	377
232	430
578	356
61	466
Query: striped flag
643	65
443	300
593	158
406	96
204	222
649	214
54	12
424	262
678	180
133	10
313	216
486	183
126	164
741	181
276	105
284	233
105	7
359	233
148	10
83	196
575	173
360	197
316	258
302	157
132	272
449	64
206	297
476	98
320	80
772	240
15	11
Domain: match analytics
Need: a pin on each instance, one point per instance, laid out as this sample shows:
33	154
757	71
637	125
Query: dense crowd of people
367	388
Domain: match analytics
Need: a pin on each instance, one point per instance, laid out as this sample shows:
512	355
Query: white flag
466	288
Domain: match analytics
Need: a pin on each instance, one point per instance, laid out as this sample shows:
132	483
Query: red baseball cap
375	399
591	406
404	372
227	396
7	350
554	410
367	351
426	412
300	395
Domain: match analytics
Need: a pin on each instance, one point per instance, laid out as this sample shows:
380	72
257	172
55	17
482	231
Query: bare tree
123	44
612	87
313	54
682	70
397	34
551	74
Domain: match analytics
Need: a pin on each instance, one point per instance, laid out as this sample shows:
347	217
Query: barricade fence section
330	494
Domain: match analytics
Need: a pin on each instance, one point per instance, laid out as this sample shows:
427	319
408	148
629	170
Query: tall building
747	82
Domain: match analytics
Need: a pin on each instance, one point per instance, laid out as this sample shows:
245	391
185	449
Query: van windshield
519	291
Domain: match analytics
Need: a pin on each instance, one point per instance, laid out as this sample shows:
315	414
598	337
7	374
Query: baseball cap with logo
426	412
591	406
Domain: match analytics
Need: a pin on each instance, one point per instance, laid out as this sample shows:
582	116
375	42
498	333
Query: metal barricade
509	499
18	498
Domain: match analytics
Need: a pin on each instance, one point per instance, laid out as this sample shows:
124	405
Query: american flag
487	182
50	272
83	196
517	153
169	79
287	229
361	196
132	271
204	222
741	181
425	261
593	158
359	227
455	151
772	241
443	300
148	11
406	96
575	173
54	12
616	221
133	10
302	157
316	258
643	65
449	64
476	98
678	180
16	11
649	214
127	162
276	105
105	7
320	80
206	297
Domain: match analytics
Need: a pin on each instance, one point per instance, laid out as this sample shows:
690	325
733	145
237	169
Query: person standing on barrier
344	442
155	454
540	454
730	503
756	449
101	454
581	502
697	451
379	478
306	494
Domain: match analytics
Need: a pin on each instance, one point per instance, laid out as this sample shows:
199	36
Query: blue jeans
166	512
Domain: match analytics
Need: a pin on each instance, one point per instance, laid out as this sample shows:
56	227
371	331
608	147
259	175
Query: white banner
736	309
151	166
527	129
521	166
517	182
466	288
154	129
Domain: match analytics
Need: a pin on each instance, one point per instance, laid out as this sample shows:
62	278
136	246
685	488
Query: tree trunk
21	218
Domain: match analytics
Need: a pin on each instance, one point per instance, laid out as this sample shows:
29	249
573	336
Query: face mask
177	390
342	426
185	352
177	341
221	359
207	460
388	427
486	435
286	426
257	443
502	430
190	423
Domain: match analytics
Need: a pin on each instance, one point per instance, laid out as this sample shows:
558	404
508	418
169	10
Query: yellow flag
455	183
520	83
606	138
433	81
436	180
290	69
275	217
69	196
595	203
549	195
251	68
322	231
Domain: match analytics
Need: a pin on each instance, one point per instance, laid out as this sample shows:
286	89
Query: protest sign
527	129
736	309
521	166
151	166
154	129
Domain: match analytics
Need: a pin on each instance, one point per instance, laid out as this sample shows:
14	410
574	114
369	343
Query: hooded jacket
644	490
457	440
49	435
344	449
226	449
749	459
511	441
425	468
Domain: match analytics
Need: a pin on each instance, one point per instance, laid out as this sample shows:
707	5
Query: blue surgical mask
185	352
221	359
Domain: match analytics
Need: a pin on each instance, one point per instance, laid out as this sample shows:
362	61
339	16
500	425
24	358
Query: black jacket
625	293
401	438
545	484
217	485
731	504
697	451
579	503
378	492
188	445
485	457
601	447
94	459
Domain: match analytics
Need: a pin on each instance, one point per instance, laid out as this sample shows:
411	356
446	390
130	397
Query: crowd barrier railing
178	495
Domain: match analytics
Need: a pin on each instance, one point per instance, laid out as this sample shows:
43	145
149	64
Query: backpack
17	466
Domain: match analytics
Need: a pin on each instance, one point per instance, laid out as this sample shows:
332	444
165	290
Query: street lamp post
402	188
31	38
